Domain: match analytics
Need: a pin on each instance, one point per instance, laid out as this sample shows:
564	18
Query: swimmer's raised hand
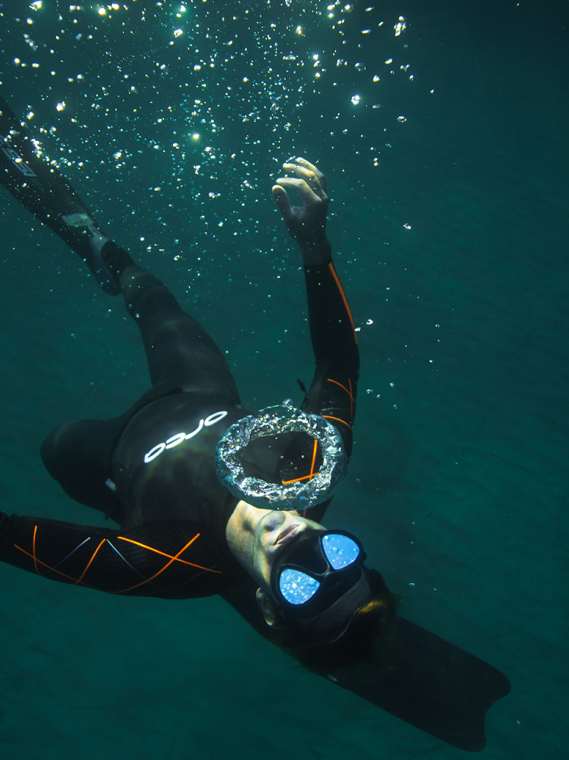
306	223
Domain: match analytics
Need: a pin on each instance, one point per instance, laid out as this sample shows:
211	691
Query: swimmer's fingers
311	215
307	193
306	223
309	173
283	201
314	170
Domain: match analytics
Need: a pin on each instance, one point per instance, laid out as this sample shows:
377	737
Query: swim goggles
315	571
301	493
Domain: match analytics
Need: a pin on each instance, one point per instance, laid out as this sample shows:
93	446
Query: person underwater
210	498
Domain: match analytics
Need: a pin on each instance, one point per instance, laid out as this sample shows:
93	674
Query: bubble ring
277	420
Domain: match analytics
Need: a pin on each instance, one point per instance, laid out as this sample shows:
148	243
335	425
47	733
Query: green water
449	236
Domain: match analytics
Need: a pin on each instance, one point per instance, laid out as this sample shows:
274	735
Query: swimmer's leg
181	355
181	358
179	351
40	187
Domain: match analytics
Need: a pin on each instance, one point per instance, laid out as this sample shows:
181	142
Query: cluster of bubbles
197	104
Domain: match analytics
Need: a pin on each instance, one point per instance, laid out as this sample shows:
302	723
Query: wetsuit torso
162	473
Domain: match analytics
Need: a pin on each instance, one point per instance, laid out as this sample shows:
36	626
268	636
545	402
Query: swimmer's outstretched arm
333	389
306	223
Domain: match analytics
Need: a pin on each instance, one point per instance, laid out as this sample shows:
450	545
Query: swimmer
181	532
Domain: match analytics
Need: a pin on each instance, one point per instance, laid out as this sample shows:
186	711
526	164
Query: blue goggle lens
297	587
340	550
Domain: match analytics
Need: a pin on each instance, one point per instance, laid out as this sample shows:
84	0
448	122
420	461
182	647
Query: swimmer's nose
275	520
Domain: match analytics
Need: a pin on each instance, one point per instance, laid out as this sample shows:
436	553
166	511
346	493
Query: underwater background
442	129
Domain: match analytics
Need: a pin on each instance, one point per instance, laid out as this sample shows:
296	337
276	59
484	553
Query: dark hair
366	651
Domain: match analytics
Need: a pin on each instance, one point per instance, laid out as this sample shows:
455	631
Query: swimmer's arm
307	223
334	386
333	390
167	560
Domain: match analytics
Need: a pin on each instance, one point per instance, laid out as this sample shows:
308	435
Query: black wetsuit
153	471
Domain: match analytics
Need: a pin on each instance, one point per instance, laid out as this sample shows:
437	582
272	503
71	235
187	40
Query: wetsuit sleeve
333	390
170	560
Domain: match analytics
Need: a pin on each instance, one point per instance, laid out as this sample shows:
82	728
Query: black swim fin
441	689
40	187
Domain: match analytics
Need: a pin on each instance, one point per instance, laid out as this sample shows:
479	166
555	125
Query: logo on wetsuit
179	438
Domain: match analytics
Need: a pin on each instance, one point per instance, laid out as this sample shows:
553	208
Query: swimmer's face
256	537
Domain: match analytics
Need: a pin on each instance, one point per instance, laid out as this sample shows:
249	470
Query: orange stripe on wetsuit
312	473
350	394
344	299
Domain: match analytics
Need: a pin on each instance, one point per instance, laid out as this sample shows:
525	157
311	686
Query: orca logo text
179	438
